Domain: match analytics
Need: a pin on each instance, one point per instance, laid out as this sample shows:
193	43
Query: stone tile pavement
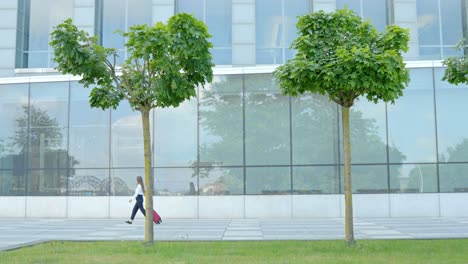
19	232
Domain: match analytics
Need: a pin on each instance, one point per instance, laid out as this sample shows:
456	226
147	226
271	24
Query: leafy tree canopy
344	58
457	67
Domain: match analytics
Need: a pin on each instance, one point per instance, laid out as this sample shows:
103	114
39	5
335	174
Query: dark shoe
128	222
159	222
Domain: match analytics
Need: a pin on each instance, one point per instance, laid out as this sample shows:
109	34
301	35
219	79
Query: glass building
239	148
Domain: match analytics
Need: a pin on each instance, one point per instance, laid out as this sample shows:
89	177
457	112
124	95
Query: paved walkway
27	231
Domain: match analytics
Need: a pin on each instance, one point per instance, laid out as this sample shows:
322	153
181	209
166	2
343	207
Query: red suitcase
156	217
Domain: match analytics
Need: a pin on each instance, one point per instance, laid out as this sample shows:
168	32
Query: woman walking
138	196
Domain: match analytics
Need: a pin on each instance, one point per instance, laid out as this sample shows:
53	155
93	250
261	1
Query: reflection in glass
175	182
453	177
411	120
267	125
317	179
413	178
268	180
123	181
221	181
12	182
452	132
176	135
47	182
89	130
368	178
314	130
374	10
220	110
89	182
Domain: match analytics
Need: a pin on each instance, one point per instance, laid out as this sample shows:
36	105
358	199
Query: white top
138	191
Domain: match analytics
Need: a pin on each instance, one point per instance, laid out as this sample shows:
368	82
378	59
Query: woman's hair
140	181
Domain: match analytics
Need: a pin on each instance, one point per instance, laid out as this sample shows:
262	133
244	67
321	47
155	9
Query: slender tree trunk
349	228
149	180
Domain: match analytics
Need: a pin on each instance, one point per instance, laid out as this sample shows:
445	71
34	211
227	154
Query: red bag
156	217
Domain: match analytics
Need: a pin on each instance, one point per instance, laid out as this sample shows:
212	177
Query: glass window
268	180
123	181
127	137
267	122
276	29
374	10
221	181
413	178
48	122
40	18
217	15
221	131
317	179
452	132
176	135
89	131
411	121
453	177
175	181
12	182
121	15
367	178
13	131
314	130
89	182
51	182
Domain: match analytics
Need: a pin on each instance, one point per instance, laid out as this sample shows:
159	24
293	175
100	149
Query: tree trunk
349	228
149	180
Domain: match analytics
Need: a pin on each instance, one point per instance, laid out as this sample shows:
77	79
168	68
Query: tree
457	67
344	58
166	64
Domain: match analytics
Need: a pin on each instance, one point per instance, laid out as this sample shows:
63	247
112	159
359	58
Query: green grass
366	251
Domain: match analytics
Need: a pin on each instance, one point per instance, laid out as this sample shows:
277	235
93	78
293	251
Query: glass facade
239	136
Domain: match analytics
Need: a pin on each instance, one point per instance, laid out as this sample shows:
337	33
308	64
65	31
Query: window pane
221	134
176	135
89	182
411	122
314	130
267	128
269	31
453	177
452	23
13	131
47	182
268	180
123	181
312	180
12	182
413	178
367	178
176	181
89	131
48	121
452	132
293	9
221	181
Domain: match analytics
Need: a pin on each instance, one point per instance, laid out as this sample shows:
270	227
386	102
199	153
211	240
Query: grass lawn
366	251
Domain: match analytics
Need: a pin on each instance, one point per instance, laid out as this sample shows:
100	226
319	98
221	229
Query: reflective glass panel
452	132
221	132
268	180
123	181
315	180
176	135
314	130
176	181
267	122
221	181
89	131
374	10
269	31
453	177
47	182
411	121
413	178
367	179
12	182
89	182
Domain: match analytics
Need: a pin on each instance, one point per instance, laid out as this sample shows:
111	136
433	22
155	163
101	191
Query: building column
163	10
243	32
406	16
325	5
8	13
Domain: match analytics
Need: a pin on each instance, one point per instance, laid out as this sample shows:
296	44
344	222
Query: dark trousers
138	205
